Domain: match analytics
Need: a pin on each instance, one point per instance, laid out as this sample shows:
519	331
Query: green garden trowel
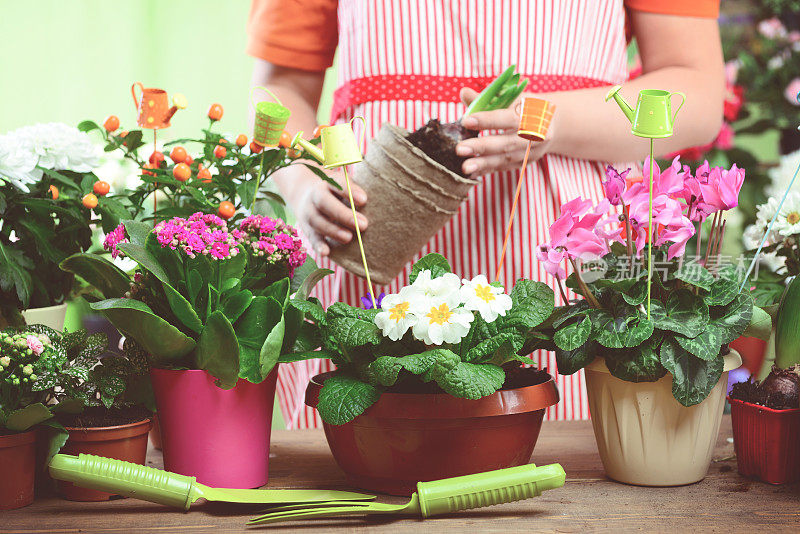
171	489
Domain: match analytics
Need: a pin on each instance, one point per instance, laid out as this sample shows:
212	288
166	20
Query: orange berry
189	160
111	124
203	175
90	201
226	209
285	140
156	158
178	154
292	153
255	148
220	151
53	192
215	112
318	131
241	140
101	188
181	172
222	141
148	166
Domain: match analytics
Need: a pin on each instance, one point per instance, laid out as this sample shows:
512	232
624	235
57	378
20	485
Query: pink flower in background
271	239
114	238
772	28
792	92
723	187
552	259
35	344
724	140
614	185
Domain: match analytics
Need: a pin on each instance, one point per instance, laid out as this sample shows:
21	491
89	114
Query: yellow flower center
793	218
484	293
399	312
441	315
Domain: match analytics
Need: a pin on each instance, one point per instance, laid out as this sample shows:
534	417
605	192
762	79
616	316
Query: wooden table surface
589	501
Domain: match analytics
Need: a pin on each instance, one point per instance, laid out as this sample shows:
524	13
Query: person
406	61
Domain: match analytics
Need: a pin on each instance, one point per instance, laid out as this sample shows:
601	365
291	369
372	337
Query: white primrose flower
395	317
442	320
434	290
490	301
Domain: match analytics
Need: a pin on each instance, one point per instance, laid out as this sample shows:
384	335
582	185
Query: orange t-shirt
303	34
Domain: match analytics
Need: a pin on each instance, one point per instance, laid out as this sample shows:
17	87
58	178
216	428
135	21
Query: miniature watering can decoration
339	146
271	119
152	107
653	117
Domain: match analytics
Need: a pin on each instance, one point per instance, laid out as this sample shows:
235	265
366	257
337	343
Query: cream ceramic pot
645	436
52	316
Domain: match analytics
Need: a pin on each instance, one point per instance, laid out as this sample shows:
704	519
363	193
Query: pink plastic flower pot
219	436
767	442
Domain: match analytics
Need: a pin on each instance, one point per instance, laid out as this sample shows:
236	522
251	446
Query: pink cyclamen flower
114	238
724	140
35	344
615	184
792	92
552	259
723	187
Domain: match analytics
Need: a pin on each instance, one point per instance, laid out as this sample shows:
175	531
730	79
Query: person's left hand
502	151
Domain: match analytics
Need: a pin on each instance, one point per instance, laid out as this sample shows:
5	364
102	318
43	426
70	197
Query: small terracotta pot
155	434
124	442
406	438
767	442
17	469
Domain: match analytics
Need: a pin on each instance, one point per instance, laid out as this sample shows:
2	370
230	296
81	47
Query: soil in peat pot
98	416
516	377
438	141
778	391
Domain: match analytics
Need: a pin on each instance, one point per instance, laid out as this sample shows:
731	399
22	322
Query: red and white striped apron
404	61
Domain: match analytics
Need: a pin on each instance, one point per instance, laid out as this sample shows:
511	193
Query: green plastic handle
124	478
485	489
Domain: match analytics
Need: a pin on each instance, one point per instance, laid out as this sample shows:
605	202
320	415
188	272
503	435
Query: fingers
317	242
496	162
499	119
337	211
491	144
324	227
359	195
468	95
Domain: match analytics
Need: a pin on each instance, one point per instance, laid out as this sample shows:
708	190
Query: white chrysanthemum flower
25	151
790	215
782	175
488	300
395	317
443	321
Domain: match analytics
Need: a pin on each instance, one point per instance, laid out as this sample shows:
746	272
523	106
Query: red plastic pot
17	469
406	438
123	442
220	436
752	351
767	442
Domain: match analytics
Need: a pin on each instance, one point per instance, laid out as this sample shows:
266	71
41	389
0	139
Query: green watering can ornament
653	117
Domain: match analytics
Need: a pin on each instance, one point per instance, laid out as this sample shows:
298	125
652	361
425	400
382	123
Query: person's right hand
323	212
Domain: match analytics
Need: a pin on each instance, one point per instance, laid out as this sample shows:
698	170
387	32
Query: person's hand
502	151
323	212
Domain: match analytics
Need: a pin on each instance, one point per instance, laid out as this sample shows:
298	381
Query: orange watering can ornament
152	107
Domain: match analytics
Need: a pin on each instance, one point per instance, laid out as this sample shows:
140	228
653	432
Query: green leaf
234	266
636	364
44	239
279	291
218	350
27	417
323	176
706	346
471	381
353	332
507	343
252	329
435	263
684	313
103	275
344	398
574	335
234	305
302	356
695	274
271	349
137	231
161	340
311	309
620	327
572	361
731	321
311	280
725	287
14	275
692	378
385	369
637	293
532	304
193	284
88	126
760	324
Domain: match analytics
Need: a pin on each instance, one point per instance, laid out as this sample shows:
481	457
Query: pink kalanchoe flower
35	344
200	234
114	238
272	239
615	184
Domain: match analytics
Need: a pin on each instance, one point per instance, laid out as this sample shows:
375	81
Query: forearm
588	128
300	92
